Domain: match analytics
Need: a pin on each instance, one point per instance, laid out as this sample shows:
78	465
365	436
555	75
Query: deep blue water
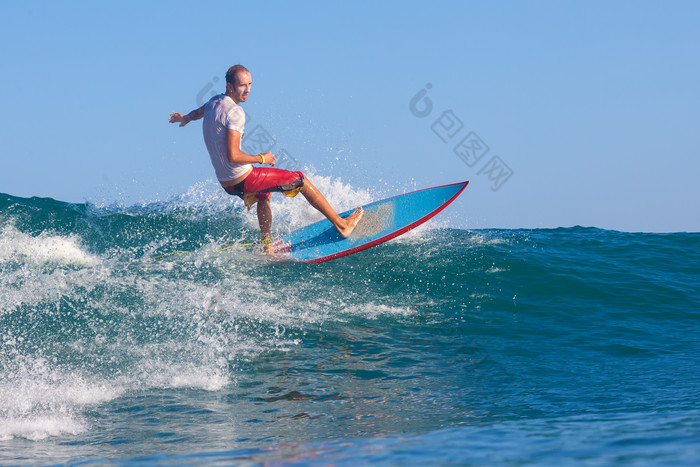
445	346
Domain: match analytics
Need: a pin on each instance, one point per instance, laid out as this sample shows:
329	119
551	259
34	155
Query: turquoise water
445	346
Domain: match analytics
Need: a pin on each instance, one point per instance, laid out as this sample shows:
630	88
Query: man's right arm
185	119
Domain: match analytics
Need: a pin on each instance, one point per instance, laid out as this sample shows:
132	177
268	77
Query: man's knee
292	187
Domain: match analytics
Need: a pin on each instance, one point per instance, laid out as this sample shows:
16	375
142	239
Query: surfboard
382	221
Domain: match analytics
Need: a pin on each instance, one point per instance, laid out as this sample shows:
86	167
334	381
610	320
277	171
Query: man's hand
185	119
269	158
178	117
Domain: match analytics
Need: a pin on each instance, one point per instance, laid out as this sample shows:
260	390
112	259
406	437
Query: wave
89	316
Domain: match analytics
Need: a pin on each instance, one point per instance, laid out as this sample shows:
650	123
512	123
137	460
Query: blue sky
565	113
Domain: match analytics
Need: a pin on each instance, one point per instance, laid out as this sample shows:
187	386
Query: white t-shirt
221	114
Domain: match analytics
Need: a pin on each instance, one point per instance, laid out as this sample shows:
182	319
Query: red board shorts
262	182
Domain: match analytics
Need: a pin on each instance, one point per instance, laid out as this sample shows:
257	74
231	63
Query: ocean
444	346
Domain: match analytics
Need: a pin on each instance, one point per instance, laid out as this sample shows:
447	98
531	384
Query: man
223	127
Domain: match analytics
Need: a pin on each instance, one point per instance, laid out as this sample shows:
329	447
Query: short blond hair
233	71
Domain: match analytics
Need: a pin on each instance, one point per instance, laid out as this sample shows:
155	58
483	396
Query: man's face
241	89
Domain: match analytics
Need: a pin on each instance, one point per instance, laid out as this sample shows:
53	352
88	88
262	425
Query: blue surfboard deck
382	221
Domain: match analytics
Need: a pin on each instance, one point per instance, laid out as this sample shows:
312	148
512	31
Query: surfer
223	127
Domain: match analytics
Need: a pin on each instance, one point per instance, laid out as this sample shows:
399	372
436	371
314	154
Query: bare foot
267	246
351	222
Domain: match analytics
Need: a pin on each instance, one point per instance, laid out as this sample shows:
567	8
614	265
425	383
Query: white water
92	311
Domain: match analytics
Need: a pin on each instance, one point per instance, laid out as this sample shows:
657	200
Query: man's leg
265	221
318	201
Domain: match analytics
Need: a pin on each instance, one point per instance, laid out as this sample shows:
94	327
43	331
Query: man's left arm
235	155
